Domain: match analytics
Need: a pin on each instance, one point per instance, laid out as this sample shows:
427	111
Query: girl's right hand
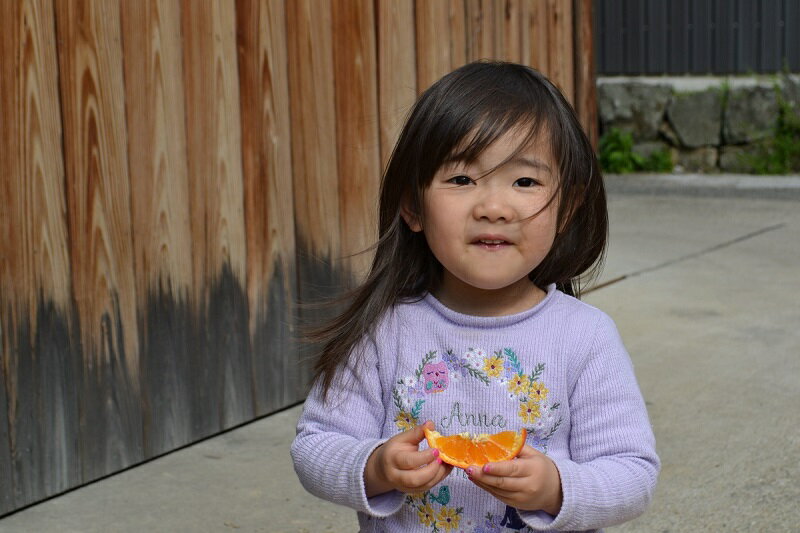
398	464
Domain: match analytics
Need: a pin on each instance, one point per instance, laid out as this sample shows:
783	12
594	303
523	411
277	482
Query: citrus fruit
464	450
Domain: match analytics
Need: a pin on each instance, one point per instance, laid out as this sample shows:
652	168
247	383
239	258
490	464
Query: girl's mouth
491	244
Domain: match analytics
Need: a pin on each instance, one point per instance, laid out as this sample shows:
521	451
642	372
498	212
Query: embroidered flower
538	391
518	383
457	365
409	381
426	514
493	366
540	426
529	411
405	421
474	356
447	518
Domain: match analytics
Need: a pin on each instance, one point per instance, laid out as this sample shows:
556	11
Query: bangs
482	105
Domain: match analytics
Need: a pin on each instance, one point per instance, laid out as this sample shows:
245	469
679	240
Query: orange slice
464	450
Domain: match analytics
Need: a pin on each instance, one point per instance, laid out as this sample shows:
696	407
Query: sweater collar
489	321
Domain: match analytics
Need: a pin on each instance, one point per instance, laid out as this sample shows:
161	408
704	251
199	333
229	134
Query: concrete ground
703	280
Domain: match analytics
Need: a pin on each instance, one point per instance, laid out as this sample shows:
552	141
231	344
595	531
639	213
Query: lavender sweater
559	369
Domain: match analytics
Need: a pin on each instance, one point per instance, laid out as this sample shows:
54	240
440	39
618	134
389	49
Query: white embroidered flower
547	413
409	381
512	396
475	357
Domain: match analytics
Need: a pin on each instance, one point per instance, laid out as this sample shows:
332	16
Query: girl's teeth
491	242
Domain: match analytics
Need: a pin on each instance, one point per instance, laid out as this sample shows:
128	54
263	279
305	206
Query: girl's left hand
530	482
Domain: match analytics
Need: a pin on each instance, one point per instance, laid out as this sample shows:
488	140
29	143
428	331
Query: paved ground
703	278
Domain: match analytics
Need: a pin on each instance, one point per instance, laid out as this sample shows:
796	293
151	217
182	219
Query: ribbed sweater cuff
382	505
570	516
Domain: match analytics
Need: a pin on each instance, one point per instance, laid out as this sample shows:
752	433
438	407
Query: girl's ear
411	218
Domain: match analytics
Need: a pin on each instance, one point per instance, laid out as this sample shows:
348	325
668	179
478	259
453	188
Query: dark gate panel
697	36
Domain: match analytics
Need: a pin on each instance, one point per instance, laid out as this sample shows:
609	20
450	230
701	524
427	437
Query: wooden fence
174	176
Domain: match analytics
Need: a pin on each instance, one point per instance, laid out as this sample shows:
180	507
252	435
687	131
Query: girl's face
489	231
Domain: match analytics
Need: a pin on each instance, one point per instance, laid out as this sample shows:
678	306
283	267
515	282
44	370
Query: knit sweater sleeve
336	436
611	474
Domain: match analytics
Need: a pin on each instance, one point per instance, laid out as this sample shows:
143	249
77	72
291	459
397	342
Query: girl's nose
493	207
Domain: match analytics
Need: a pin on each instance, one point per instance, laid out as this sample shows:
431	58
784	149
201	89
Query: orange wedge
464	450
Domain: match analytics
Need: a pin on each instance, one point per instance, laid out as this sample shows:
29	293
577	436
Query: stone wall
706	124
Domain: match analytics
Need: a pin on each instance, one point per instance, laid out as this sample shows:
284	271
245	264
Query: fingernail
439	460
486	468
435	452
469	472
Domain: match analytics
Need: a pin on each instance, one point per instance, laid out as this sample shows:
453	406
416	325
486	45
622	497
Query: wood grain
43	363
397	75
156	118
560	49
508	30
480	29
357	138
433	42
267	167
585	83
313	113
222	373
538	31
458	34
98	201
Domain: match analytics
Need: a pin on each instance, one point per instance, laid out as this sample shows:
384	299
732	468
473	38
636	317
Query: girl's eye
460	180
525	182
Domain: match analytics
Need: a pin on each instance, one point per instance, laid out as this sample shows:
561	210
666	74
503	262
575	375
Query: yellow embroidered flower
447	518
538	391
493	366
529	411
518	384
405	421
426	514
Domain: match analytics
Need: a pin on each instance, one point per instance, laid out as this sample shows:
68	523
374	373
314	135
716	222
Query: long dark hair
457	118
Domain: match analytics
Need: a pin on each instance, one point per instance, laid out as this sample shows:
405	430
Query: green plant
779	154
617	155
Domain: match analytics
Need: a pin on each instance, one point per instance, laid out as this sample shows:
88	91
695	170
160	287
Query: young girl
492	208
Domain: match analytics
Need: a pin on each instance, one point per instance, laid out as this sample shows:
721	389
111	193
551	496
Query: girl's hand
397	464
530	482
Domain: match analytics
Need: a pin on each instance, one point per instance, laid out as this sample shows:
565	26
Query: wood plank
398	84
458	34
560	46
585	83
222	371
314	158
508	30
480	29
433	42
357	138
6	474
267	166
538	29
98	206
160	211
39	408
